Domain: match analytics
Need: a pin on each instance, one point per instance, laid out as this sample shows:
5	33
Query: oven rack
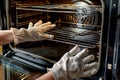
75	25
63	8
28	14
85	37
73	20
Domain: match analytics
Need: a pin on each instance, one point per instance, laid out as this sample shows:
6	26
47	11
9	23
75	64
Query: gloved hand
33	33
74	64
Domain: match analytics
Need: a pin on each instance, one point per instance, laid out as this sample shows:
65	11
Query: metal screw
114	5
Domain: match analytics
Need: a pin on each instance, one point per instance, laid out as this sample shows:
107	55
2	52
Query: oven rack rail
58	9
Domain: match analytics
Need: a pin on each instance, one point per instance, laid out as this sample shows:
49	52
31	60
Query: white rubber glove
33	33
74	64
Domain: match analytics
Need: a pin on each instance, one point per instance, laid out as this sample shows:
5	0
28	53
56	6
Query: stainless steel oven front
86	23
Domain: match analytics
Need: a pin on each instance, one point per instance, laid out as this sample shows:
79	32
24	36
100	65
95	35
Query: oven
92	24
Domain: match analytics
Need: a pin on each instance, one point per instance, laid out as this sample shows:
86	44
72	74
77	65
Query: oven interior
78	22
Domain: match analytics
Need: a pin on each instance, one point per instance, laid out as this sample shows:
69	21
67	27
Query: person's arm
6	36
34	32
74	64
47	76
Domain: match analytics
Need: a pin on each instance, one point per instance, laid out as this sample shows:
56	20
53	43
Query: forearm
6	36
47	76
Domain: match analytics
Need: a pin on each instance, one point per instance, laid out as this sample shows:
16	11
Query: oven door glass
15	70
